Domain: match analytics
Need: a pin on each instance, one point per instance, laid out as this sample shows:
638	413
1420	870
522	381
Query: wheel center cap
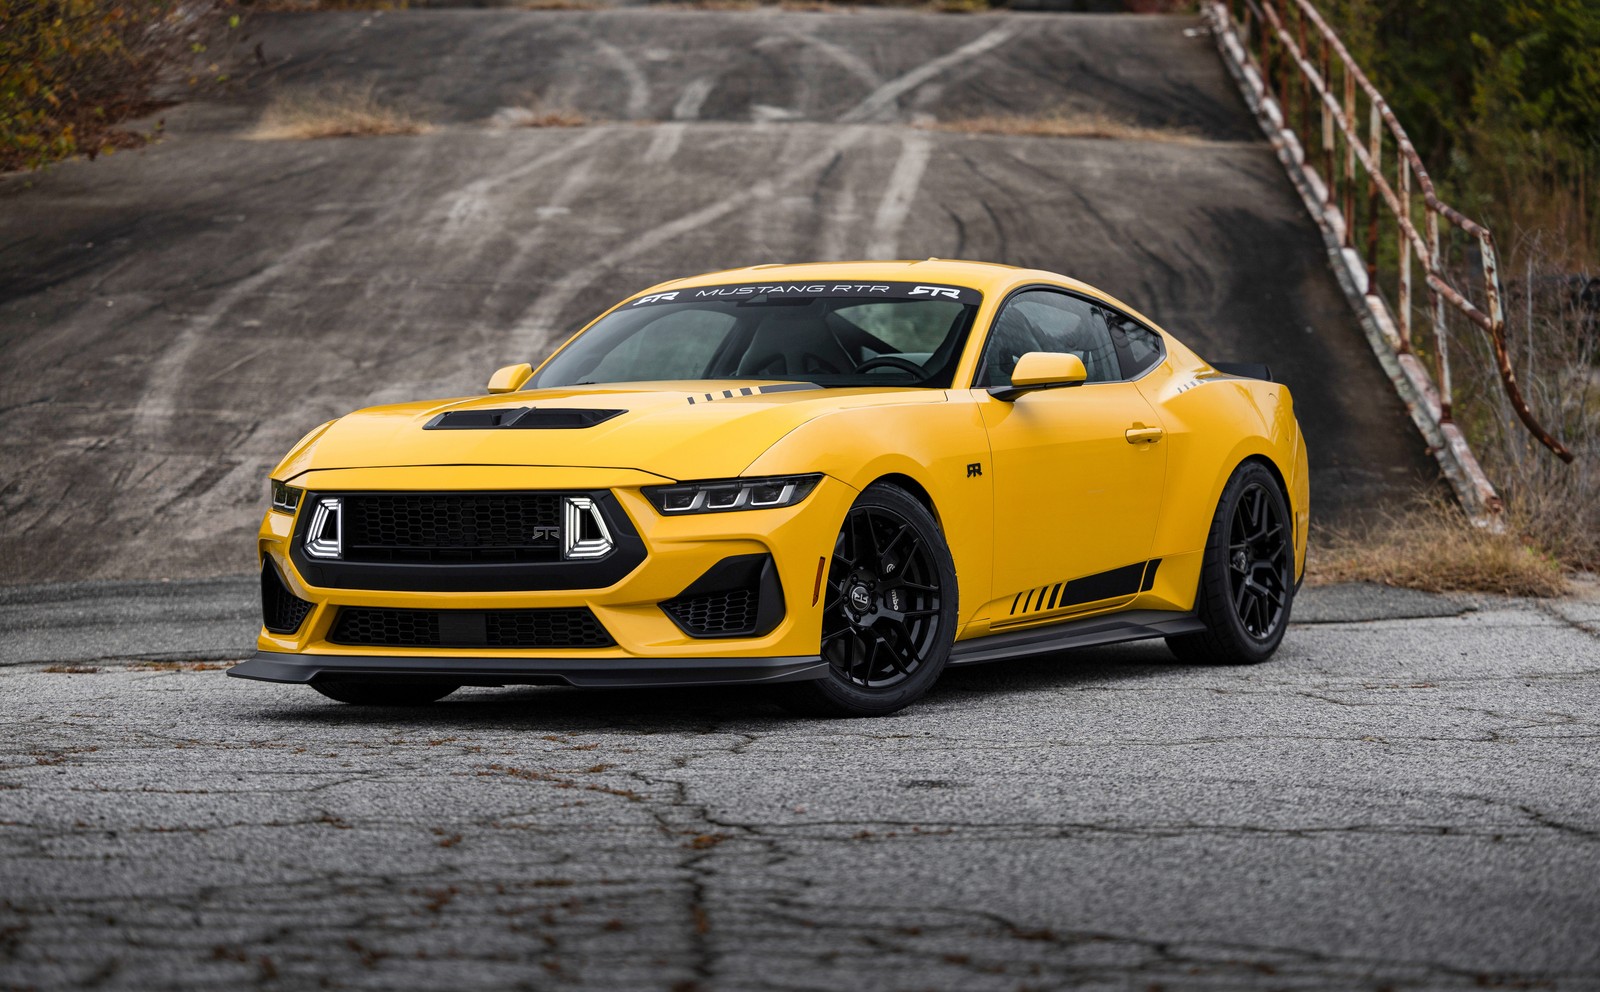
860	598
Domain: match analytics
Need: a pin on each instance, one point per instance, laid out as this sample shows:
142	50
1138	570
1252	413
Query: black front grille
573	627
282	612
452	527
717	614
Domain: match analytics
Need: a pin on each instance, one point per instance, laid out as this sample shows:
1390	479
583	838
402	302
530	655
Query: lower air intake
282	612
549	628
737	597
717	614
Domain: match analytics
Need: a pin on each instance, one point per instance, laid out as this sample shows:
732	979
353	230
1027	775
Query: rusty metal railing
1300	79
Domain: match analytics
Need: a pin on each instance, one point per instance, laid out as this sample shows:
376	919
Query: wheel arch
917	490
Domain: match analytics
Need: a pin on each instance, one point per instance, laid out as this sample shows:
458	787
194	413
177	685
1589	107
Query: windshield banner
765	292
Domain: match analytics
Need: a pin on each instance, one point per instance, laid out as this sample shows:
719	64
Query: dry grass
347	113
1064	124
1553	338
515	117
707	5
296	6
559	5
1435	548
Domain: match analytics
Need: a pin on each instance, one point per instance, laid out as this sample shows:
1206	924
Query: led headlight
285	497
721	495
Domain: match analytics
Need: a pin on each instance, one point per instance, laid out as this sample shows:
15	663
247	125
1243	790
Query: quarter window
1138	346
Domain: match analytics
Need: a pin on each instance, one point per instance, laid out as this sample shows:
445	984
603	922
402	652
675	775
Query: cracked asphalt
1403	803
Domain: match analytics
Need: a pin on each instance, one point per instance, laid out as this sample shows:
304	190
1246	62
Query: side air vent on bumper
282	612
737	597
574	627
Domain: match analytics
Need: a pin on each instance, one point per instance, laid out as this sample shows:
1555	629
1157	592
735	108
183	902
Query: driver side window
1045	320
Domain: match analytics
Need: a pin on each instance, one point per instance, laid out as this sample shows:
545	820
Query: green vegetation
1502	99
70	70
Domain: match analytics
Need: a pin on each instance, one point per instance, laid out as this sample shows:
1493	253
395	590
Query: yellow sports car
836	478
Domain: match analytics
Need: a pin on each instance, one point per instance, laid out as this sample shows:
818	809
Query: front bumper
678	551
616	673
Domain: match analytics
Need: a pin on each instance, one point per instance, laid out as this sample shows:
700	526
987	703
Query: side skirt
1135	625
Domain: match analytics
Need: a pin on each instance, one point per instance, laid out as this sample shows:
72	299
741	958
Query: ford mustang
835	479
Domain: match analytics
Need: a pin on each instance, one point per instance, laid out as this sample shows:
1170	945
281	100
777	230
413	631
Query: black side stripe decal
1149	574
728	394
1127	580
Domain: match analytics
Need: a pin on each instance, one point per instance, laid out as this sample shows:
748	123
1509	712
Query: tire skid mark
841	56
537	325
668	138
157	404
879	104
466	209
898	194
638	104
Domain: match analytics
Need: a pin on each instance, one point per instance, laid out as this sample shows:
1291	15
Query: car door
1078	471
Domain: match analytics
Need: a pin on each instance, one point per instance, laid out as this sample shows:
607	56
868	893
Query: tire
887	639
385	693
1246	576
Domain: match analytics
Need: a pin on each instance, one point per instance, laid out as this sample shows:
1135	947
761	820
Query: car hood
680	430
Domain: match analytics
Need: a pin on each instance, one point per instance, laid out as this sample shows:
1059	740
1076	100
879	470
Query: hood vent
521	418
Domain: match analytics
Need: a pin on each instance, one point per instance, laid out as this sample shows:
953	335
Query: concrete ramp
172	320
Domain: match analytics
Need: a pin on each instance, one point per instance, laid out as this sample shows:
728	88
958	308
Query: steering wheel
894	362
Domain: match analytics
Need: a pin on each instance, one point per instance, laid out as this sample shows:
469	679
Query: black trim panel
1133	625
273	666
1245	370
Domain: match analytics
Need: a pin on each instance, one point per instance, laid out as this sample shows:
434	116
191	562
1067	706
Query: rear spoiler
1245	370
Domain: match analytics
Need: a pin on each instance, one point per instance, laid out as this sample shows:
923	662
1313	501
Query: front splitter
274	666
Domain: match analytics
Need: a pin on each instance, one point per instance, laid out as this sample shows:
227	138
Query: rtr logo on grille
546	534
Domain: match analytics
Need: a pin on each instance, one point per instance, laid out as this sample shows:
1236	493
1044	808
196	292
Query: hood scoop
521	418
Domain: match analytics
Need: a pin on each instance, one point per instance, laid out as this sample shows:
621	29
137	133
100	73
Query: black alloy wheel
1247	574
1258	556
888	609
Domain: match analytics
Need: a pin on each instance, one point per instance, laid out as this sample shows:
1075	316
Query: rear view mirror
1042	370
510	378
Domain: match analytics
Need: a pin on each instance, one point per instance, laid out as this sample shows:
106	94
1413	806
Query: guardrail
1300	79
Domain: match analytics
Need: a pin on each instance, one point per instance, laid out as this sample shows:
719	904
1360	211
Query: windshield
831	334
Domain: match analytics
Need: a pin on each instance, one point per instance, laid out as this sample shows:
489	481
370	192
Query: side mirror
1042	370
510	378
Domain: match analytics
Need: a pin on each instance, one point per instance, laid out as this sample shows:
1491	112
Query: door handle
1140	434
